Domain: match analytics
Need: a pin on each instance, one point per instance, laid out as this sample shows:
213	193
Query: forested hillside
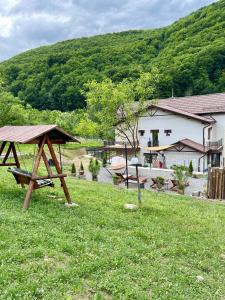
190	56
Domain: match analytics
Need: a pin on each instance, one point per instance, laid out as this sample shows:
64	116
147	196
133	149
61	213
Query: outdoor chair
175	184
141	179
154	183
123	177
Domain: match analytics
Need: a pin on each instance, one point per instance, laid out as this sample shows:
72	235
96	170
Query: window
155	137
209	133
141	132
150	157
168	132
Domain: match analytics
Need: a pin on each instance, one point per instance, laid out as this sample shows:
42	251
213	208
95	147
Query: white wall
181	127
184	158
151	172
219	127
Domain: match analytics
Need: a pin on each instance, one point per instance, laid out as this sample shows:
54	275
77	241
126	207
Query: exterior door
215	159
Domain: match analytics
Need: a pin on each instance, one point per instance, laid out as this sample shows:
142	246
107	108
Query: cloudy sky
26	24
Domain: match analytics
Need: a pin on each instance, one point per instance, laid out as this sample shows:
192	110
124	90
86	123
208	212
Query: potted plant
116	180
81	171
160	183
181	177
94	168
180	188
73	170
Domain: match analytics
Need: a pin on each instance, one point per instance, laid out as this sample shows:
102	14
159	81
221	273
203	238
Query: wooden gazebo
41	135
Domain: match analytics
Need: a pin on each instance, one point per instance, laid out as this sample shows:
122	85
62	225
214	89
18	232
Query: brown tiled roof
192	144
185	113
26	134
204	104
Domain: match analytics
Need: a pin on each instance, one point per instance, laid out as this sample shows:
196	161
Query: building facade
186	129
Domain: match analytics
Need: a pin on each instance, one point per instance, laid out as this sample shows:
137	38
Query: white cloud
5	26
26	24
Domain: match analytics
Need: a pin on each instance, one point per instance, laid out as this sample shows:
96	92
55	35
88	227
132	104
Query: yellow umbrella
157	148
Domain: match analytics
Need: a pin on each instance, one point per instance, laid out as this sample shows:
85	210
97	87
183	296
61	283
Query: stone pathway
195	184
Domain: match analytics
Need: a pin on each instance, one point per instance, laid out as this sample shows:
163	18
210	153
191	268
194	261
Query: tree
12	111
73	170
81	171
117	107
190	168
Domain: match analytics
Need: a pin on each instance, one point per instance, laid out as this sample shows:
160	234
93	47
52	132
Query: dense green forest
189	54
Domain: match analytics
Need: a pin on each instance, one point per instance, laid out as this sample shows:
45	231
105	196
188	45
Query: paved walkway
196	185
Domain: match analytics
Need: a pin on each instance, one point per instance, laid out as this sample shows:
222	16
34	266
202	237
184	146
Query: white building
187	129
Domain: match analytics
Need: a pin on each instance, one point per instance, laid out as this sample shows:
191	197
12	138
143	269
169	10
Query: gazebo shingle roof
27	134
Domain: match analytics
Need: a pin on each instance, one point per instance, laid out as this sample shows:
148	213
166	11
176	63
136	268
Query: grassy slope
100	251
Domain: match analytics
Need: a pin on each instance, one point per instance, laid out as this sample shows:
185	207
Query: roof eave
183	113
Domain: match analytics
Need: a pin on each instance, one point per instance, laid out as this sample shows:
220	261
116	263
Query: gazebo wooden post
7	153
2	147
16	159
34	172
58	169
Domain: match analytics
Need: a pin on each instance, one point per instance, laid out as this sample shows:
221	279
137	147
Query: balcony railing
216	144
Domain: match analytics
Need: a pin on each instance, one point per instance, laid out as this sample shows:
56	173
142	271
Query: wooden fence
216	183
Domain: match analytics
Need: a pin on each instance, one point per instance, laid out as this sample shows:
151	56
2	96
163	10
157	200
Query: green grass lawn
101	251
83	144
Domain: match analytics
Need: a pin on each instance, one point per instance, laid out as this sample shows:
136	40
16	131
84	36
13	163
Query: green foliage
81	166
110	105
190	168
180	174
189	55
181	167
73	169
84	143
14	112
104	160
160	181
87	128
94	167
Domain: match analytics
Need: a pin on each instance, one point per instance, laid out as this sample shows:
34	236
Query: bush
190	168
81	171
160	181
73	170
181	168
181	176
104	160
